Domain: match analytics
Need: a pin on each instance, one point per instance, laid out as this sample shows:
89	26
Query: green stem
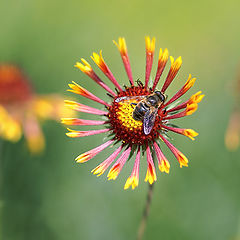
143	222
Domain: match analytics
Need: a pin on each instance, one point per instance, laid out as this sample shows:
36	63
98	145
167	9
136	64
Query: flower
122	126
21	108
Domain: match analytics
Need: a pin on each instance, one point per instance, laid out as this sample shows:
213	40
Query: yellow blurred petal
52	107
43	108
36	144
10	129
13	131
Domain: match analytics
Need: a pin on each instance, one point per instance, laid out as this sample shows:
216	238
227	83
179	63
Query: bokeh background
49	196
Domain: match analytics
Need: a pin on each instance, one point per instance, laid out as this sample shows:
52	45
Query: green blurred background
50	196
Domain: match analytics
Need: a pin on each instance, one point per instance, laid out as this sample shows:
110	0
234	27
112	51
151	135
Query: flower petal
83	108
134	178
86	68
81	122
75	88
190	109
162	61
98	59
84	157
163	163
151	173
102	167
10	129
194	99
122	47
33	134
183	161
190	82
74	134
175	66
186	132
150	48
117	167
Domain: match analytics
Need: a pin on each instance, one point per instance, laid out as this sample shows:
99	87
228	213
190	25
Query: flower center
125	112
124	126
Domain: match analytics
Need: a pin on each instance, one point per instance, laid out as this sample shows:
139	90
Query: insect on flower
146	109
138	115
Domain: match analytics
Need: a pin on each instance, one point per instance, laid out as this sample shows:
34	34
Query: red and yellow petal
86	68
190	82
81	122
194	99
102	167
122	47
151	176
175	66
98	59
150	48
186	132
163	163
133	180
183	161
84	157
75	133
83	108
162	61
117	167
76	88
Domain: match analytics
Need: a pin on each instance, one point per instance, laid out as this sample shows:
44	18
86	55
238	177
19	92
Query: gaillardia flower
21	109
138	116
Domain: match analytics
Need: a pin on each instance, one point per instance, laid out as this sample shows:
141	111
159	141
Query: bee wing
129	98
149	120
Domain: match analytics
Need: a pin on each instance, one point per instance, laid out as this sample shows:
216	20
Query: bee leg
111	96
130	83
140	84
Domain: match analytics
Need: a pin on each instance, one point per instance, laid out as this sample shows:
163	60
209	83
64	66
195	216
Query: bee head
161	96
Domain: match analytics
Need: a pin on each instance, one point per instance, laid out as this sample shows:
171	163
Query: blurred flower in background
21	108
232	135
135	135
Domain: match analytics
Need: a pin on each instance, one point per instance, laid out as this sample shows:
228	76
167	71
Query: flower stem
143	222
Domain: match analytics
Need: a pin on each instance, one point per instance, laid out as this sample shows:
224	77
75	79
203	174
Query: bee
146	109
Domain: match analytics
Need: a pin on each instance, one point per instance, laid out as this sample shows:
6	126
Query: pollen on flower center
125	127
124	114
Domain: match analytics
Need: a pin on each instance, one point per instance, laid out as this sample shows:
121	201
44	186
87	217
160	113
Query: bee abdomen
139	111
